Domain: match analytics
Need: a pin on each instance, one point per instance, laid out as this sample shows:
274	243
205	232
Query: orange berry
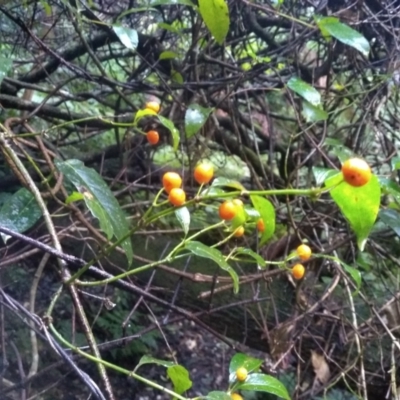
152	137
241	374
237	202
227	210
171	180
153	105
298	271
304	252
260	225
236	396
356	172
177	197
203	173
239	231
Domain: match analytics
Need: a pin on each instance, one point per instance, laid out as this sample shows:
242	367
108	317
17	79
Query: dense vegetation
102	265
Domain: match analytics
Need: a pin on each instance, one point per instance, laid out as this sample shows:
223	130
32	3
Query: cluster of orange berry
172	183
152	136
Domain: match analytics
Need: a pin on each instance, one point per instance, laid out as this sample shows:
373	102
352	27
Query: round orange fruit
260	225
153	137
239	232
153	105
241	374
171	180
203	173
227	210
177	197
304	252
356	172
298	271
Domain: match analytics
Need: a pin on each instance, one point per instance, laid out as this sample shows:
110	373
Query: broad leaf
218	396
267	213
312	113
322	174
20	212
201	250
171	127
152	360
360	205
128	37
391	218
96	189
306	91
225	182
180	378
248	252
145	112
215	15
342	32
167	55
242	360
183	216
265	383
195	118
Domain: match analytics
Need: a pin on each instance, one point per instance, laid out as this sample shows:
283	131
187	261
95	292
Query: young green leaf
248	252
267	213
225	182
180	378
171	127
128	37
201	250
312	113
152	360
243	360
183	216
215	15
306	91
218	396
265	383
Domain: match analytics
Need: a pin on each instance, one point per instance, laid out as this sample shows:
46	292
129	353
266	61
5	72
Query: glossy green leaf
225	182
215	15
195	118
128	37
5	66
20	212
343	33
312	113
218	396
267	213
242	360
177	77
391	218
171	127
100	213
167	55
360	205
88	179
145	112
152	360
180	378
201	250
183	216
248	252
306	91
322	174
265	383
389	186
395	163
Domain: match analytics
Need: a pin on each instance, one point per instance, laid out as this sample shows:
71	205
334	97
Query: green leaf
176	77
171	2
100	213
267	213
306	91
259	260
152	360
218	396
312	113
195	118
143	113
20	212
225	182
343	33
360	205
167	55
355	275
183	216
391	218
87	178
322	174
201	250
265	383
180	378
242	360
5	66
128	37
215	15
395	163
74	196
171	127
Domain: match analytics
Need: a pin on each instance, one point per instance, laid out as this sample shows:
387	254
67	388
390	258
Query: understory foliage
274	236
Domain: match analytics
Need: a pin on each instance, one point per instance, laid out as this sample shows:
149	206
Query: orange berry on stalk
203	173
304	252
153	105
236	396
153	137
261	225
241	374
177	197
298	271
227	210
171	180
356	172
239	232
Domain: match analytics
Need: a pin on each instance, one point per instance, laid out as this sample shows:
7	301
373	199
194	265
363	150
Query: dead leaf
321	367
